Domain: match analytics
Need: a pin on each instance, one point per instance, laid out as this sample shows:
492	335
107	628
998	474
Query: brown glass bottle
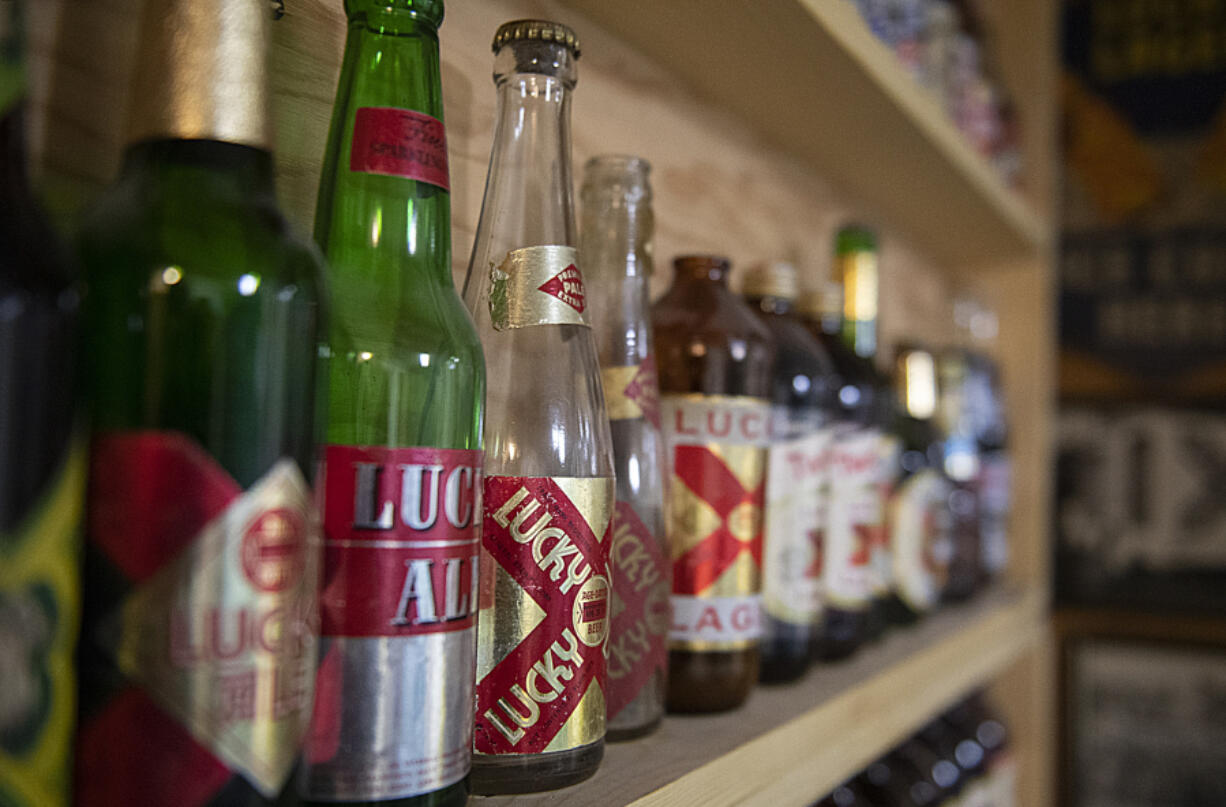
715	363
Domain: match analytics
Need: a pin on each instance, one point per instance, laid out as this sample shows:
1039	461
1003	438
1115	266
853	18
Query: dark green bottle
202	313
402	461
42	472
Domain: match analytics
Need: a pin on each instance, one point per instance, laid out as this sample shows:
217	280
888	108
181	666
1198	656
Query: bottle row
350	536
960	759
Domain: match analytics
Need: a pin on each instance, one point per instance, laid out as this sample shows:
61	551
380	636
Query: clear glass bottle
402	461
617	263
549	487
715	365
802	392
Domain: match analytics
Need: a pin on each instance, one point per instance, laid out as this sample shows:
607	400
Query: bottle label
856	518
796	481
923	546
543	623
397	607
716	447
880	556
632	392
537	286
399	143
39	607
213	629
637	646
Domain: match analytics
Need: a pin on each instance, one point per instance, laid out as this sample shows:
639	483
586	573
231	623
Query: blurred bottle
796	479
42	469
616	255
962	465
933	779
202	319
715	363
847	794
549	487
994	485
919	509
402	463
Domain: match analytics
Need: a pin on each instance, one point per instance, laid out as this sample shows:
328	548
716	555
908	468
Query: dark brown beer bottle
715	363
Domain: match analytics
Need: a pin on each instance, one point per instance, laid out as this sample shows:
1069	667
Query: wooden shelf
811	78
791	744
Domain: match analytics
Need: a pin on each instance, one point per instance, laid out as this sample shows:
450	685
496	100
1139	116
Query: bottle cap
775	279
543	30
855	238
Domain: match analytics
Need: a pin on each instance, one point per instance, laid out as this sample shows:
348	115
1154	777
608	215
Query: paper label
641	612
544	614
39	606
537	286
856	518
217	633
399	143
796	490
632	392
880	555
923	547
716	447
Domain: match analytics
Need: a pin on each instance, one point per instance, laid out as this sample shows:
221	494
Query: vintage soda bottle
42	468
802	389
615	253
919	508
401	479
199	646
549	488
715	360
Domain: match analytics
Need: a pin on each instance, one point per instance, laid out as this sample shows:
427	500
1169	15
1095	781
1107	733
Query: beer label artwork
638	647
632	392
857	517
401	544
537	286
399	143
717	451
796	493
922	544
215	632
544	614
39	603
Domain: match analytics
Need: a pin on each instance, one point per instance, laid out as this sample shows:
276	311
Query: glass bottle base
506	774
710	682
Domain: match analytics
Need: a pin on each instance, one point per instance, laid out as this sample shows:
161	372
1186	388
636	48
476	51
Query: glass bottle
919	509
994	484
961	461
549	487
402	461
616	255
42	469
715	364
802	392
201	316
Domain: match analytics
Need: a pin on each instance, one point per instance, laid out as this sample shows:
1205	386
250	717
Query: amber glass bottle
715	362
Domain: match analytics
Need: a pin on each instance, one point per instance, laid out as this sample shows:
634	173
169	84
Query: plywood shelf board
812	79
791	744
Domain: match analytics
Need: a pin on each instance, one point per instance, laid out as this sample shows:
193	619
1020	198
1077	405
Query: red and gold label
399	143
856	519
716	446
632	392
537	286
214	627
641	614
543	623
400	546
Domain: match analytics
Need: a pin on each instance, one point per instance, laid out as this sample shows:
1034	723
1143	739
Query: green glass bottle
402	463
202	311
42	472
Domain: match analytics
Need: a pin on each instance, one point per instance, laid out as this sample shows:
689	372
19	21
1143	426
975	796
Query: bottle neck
858	273
700	276
14	174
201	73
215	170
